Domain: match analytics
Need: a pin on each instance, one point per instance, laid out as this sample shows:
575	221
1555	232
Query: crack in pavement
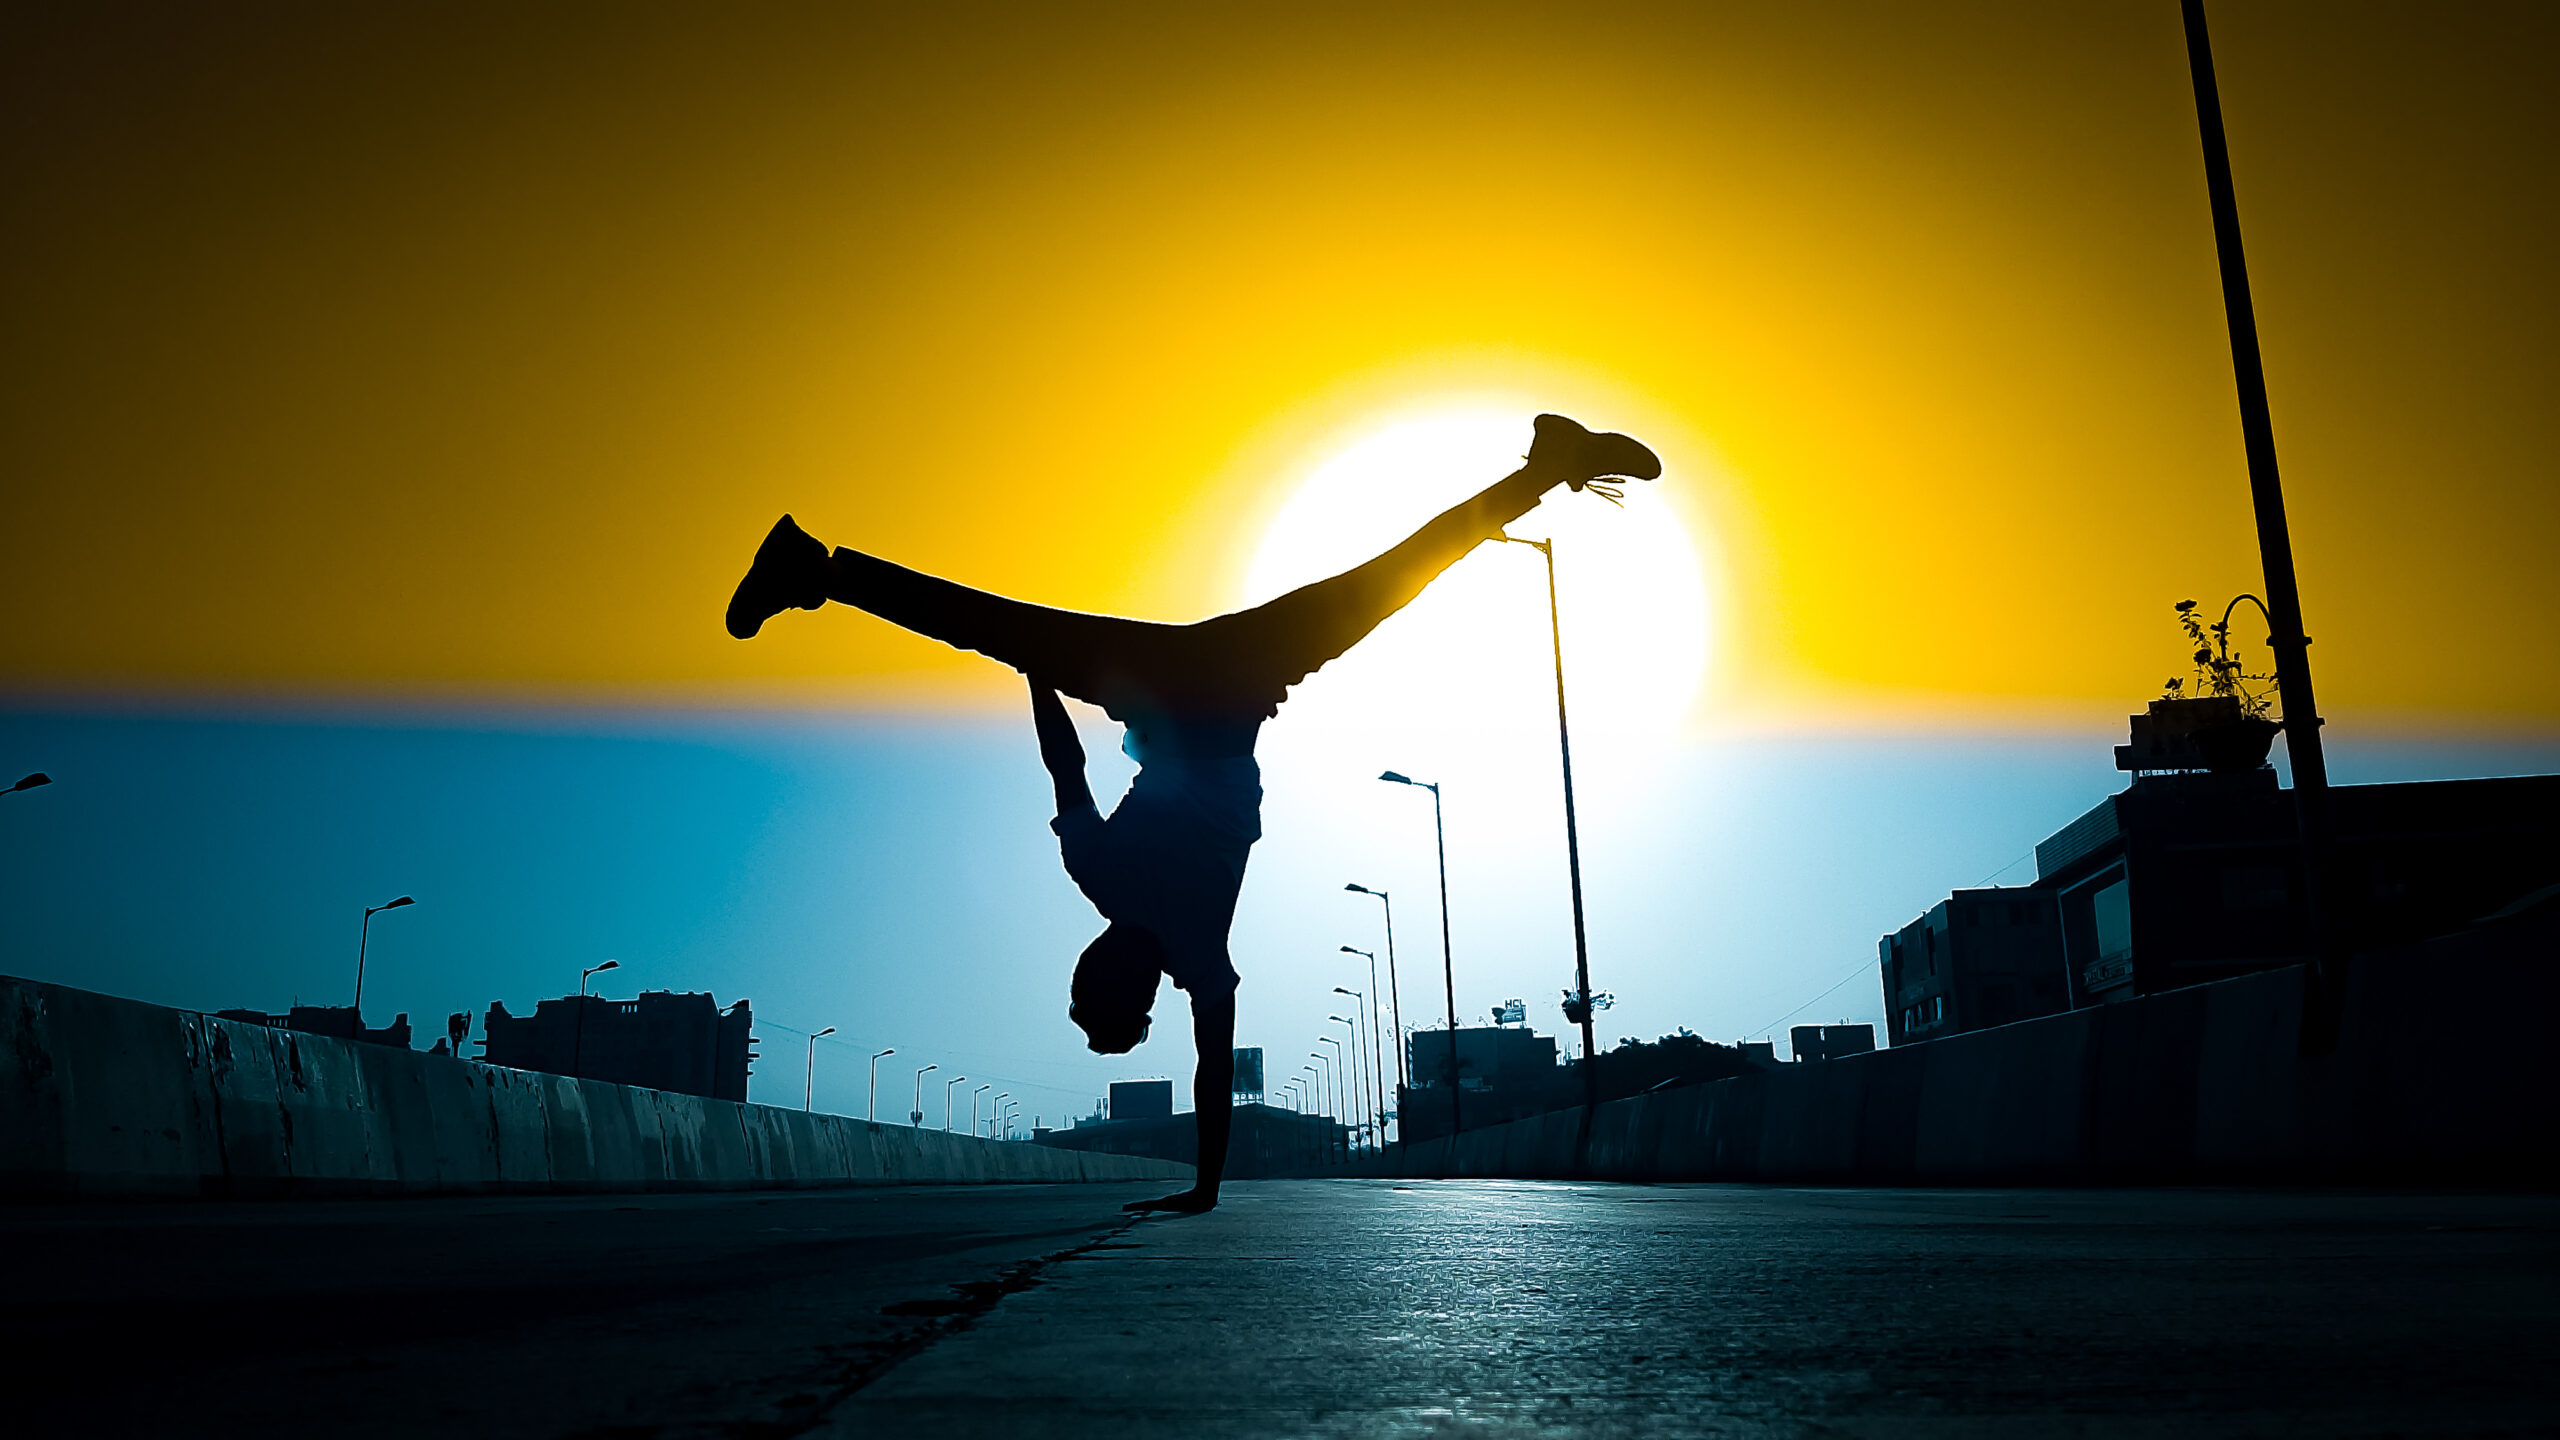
944	1318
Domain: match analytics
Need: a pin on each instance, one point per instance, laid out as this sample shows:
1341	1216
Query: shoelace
1606	490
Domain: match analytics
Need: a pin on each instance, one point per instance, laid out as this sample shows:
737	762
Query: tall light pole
1578	1005
578	1035
1395	994
946	1100
1313	1079
995	1111
916	1115
364	933
1359	1100
2275	547
1377	1066
1448	968
973	1108
1340	1107
809	1076
28	782
871	1103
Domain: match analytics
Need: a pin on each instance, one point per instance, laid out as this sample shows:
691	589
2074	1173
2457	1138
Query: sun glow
1472	655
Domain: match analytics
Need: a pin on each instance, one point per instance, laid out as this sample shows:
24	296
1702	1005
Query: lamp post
995	1112
809	1076
871	1103
973	1108
1341	1107
578	1035
1377	1066
1360	1101
28	782
1581	1002
2323	977
364	933
1355	1104
1448	971
946	1100
1395	995
915	1117
1313	1080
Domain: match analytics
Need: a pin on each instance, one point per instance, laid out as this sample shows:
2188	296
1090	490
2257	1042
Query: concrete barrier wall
101	1096
2439	1076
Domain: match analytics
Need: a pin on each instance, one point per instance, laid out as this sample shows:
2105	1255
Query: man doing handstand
1166	866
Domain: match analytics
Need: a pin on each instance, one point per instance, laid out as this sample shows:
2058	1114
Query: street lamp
946	1100
809	1077
1359	1102
1578	1005
1395	992
364	933
1448	971
1377	1069
28	782
916	1115
1340	1108
871	1103
973	1108
995	1112
578	1035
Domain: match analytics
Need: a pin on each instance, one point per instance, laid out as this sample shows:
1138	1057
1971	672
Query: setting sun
1472	653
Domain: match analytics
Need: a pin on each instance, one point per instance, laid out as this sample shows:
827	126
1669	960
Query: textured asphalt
1299	1308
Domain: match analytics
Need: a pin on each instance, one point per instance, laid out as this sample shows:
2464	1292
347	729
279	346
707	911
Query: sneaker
1579	456
790	571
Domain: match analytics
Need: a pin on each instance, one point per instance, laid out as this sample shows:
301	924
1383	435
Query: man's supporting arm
1213	1031
1060	750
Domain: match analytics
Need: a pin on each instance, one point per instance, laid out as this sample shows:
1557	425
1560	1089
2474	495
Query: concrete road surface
1301	1308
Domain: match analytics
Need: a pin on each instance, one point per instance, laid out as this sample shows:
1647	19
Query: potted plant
2220	722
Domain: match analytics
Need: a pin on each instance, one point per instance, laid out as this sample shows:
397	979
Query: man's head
1115	988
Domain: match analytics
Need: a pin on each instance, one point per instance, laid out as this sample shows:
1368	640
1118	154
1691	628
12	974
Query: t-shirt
1171	859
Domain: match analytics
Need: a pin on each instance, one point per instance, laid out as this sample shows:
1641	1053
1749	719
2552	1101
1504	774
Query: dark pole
364	935
578	1040
1395	993
1448	967
1572	842
2275	543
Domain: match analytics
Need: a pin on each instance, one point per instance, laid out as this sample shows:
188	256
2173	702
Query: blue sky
895	878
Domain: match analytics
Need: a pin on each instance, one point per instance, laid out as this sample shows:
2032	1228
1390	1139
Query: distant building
1504	1072
2186	877
1264	1139
661	1040
339	1022
1830	1042
1979	958
1141	1099
1490	1057
1758	1052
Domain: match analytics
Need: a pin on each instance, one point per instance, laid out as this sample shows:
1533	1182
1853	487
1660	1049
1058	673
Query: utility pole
2324	979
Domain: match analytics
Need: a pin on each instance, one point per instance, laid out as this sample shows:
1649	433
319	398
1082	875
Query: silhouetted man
1165	868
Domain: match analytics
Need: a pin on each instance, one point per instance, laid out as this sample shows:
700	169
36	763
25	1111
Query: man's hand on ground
1193	1201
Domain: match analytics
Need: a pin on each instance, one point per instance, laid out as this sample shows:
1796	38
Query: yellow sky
464	352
